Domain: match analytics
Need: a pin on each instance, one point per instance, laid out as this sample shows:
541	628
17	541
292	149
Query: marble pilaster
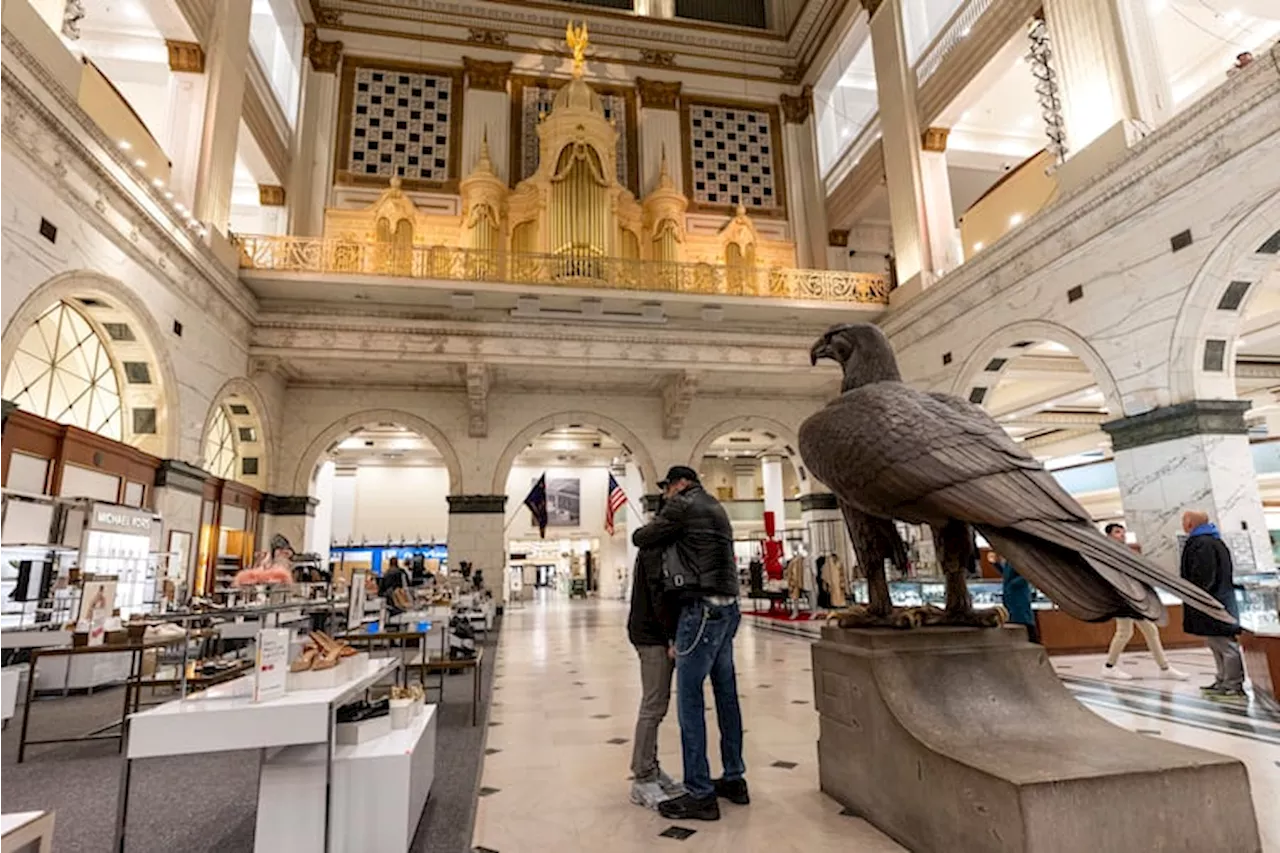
178	498
900	129
291	516
227	58
1192	455
188	90
806	195
939	211
486	110
774	502
1108	65
477	535
659	128
309	178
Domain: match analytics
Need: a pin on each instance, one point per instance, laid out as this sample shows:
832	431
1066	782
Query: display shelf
26	832
225	717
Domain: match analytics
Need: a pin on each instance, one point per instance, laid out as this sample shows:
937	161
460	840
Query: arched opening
1050	401
77	351
586	549
235	443
382	480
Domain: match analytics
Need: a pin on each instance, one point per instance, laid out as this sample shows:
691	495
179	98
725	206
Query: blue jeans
704	647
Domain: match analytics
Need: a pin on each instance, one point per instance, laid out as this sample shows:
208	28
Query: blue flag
537	504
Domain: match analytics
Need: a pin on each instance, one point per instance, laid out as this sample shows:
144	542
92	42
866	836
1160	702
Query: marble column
636	517
1108	65
774	500
227	57
178	499
476	535
900	130
1192	455
944	239
291	516
310	173
486	110
806	195
185	117
659	130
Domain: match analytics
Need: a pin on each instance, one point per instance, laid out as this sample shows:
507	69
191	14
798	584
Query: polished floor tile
556	771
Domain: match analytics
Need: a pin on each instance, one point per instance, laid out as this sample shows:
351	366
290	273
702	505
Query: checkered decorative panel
400	124
732	156
537	102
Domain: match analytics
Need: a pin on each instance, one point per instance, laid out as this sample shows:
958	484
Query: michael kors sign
119	519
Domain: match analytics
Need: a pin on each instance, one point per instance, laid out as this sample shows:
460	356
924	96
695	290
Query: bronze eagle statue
890	452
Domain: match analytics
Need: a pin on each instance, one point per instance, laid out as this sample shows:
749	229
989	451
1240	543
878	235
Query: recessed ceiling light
168	194
180	207
156	182
1233	16
124	145
1015	220
965	32
977	247
140	163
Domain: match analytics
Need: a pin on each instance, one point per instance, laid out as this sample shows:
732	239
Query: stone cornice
1167	160
92	182
1196	417
658	94
607	28
477	504
289	505
485	75
178	475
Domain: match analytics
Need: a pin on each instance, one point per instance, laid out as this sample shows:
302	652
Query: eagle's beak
821	349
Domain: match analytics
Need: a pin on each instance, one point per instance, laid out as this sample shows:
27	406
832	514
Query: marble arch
118	302
1238	257
788	435
242	391
305	474
974	374
606	425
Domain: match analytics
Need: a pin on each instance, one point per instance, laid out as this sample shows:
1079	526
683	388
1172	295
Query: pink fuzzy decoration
249	577
277	574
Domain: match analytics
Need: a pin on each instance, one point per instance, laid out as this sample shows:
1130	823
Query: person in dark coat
651	628
1016	594
1206	562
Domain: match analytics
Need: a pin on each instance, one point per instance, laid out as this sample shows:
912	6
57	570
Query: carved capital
872	6
934	139
658	94
663	58
479	35
838	237
792	73
477	400
486	75
677	395
270	195
186	57
796	109
324	55
329	17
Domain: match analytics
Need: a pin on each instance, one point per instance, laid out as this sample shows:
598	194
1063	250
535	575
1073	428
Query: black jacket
1206	562
697	529
653	618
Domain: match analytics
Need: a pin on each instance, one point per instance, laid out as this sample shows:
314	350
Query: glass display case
1259	599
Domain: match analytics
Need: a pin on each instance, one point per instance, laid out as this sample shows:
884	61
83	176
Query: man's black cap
678	472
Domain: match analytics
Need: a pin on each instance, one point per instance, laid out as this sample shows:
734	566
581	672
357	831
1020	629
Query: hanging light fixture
1047	87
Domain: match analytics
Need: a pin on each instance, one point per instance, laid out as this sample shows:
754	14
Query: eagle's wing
932	457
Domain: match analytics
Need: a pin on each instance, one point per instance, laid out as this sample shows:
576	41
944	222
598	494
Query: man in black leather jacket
696	537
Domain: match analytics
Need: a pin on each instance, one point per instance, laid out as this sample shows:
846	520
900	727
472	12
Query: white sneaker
648	794
1174	673
1117	673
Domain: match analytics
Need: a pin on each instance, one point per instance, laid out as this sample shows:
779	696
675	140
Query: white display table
380	789
225	718
26	832
10	678
83	672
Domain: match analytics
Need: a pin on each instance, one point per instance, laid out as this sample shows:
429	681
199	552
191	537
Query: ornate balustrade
450	263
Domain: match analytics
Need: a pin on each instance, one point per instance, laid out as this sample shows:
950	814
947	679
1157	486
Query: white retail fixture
225	718
380	789
10	678
26	832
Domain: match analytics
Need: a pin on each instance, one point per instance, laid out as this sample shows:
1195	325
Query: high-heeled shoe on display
306	660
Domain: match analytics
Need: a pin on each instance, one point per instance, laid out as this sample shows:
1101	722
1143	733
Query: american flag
616	501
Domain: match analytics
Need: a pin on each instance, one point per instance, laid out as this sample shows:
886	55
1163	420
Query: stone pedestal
959	739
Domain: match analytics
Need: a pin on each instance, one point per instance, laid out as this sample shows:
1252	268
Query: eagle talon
992	618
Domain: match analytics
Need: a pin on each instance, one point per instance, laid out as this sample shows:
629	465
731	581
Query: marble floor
565	697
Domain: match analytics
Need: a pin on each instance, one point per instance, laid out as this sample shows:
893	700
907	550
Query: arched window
62	372
220	446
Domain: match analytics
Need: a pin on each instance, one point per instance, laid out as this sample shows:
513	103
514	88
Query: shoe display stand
225	718
380	788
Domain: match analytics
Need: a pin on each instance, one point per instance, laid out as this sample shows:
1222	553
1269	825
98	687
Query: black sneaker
1228	694
733	790
689	807
1211	688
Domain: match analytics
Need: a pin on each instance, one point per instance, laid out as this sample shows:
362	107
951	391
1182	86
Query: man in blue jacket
1206	562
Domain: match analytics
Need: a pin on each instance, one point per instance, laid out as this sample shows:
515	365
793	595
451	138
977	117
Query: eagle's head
861	349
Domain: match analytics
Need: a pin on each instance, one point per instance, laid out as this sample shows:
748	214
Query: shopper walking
1015	593
1124	633
696	538
1206	562
651	627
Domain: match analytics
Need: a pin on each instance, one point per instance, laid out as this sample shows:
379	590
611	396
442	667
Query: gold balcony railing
450	263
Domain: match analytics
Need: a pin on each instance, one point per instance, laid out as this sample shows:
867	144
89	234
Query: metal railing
572	269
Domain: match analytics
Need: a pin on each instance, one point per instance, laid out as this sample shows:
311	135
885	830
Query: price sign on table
271	675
